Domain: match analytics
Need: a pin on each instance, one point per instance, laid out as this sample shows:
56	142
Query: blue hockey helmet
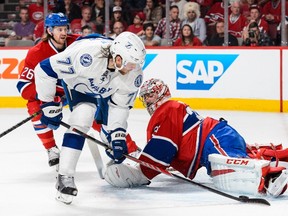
56	19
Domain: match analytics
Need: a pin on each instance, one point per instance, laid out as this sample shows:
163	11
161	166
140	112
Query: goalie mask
153	94
130	48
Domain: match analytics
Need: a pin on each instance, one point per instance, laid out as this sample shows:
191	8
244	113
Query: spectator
174	27
118	28
125	10
22	30
236	21
86	29
187	37
253	37
98	12
117	16
38	31
192	17
137	26
246	5
70	9
77	24
36	11
255	16
149	38
215	14
154	12
180	4
205	5
218	38
272	14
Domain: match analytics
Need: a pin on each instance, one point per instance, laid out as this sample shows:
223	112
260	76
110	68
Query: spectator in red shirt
236	21
38	31
77	24
137	26
255	16
36	11
187	37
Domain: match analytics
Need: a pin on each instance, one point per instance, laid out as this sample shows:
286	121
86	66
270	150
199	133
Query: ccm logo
237	161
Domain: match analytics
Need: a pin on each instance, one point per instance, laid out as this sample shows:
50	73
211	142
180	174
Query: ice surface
27	184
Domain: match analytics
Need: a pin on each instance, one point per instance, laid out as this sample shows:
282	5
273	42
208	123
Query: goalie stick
20	123
96	156
244	199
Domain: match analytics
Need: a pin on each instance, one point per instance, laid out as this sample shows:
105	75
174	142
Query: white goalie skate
66	189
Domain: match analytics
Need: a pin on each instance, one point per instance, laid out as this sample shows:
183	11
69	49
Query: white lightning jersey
84	68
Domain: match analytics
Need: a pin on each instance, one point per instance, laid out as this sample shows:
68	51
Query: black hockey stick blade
246	199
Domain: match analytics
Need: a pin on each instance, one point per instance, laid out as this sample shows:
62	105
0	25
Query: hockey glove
119	147
52	113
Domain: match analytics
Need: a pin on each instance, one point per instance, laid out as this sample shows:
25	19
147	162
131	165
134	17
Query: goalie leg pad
239	175
125	176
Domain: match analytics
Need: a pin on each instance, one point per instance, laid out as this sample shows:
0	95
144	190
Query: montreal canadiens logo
86	60
138	81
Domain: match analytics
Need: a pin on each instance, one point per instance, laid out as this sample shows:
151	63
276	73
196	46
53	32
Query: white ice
27	184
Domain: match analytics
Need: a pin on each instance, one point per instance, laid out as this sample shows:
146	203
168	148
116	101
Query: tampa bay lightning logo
86	60
138	81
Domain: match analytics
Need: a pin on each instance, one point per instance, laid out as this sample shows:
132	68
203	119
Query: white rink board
254	74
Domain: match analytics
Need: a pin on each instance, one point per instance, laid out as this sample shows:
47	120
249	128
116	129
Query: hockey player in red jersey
55	40
179	137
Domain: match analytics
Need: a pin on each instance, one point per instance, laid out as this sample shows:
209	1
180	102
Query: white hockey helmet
130	48
153	93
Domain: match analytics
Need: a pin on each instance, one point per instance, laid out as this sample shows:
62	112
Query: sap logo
148	59
201	71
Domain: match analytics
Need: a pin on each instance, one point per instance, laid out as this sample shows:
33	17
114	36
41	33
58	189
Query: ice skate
53	156
66	189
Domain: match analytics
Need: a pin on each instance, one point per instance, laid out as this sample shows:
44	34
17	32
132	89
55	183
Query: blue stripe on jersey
21	84
73	141
46	67
93	36
162	149
191	120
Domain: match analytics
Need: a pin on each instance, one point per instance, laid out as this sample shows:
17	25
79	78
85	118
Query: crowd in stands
191	23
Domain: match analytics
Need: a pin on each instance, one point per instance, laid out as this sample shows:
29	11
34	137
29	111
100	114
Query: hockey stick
20	123
244	199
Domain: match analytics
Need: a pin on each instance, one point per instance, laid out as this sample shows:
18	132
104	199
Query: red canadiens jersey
236	26
216	13
41	51
175	137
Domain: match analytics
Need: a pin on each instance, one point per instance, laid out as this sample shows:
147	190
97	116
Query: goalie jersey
179	137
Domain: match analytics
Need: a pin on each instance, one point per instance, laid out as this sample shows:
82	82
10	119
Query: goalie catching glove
52	113
119	147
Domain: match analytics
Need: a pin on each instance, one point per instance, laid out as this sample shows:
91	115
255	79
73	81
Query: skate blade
64	198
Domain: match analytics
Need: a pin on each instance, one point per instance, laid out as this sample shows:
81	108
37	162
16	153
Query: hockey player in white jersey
102	77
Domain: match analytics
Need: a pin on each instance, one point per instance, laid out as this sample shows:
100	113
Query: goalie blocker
250	176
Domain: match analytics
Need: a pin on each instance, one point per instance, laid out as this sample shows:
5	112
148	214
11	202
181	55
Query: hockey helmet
130	48
153	93
56	19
